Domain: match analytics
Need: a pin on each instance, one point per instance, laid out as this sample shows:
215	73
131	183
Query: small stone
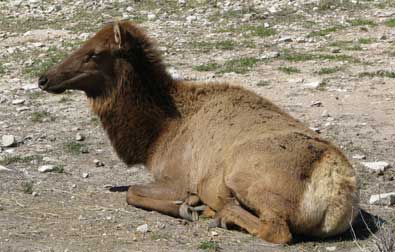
379	166
332	248
151	16
98	163
49	159
24	108
313	84
269	55
301	40
325	113
46	168
85	175
84	150
359	157
142	229
285	39
190	19
383	37
5	169
213	233
384	199
316	129
79	137
182	2
335	50
266	25
8	141
34	194
316	104
18	101
29	87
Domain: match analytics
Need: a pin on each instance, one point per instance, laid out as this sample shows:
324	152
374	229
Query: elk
211	147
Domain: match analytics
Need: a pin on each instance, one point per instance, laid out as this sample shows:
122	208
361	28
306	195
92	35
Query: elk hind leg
268	226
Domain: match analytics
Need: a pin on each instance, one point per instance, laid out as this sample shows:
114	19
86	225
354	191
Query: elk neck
135	112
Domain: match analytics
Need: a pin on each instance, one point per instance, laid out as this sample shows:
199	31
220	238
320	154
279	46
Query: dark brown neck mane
134	113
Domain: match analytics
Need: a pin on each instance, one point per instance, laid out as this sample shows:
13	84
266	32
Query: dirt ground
328	63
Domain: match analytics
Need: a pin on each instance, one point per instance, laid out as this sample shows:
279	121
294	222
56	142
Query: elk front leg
156	197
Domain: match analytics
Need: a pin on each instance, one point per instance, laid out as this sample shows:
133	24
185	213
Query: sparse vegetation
328	70
366	41
326	31
209	246
74	147
2	69
261	31
40	116
240	66
289	70
295	56
10	159
390	22
40	65
263	83
220	45
380	73
211	66
27	187
361	22
58	169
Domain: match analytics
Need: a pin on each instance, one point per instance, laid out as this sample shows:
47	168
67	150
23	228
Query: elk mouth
76	82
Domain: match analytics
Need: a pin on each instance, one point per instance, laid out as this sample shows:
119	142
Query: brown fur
221	143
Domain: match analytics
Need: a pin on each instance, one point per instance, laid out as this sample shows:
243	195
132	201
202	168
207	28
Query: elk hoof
191	213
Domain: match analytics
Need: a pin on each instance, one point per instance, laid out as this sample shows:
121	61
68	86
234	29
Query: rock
98	163
335	50
46	168
269	55
79	137
34	194
29	87
8	141
24	108
384	199
213	233
316	104
5	169
175	74
332	248
142	229
182	2
325	114
316	129
191	18
285	39
85	175
266	25
379	166
18	101
151	16
359	157
49	160
313	84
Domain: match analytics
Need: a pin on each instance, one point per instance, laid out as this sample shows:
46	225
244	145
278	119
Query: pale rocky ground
341	82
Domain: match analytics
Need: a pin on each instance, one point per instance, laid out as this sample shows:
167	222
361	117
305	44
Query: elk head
92	67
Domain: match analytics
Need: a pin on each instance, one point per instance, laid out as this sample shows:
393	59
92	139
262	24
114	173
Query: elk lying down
251	164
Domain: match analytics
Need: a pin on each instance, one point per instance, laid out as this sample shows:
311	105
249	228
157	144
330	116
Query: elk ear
117	33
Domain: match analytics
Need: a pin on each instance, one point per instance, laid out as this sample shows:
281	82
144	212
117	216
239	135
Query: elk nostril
42	82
